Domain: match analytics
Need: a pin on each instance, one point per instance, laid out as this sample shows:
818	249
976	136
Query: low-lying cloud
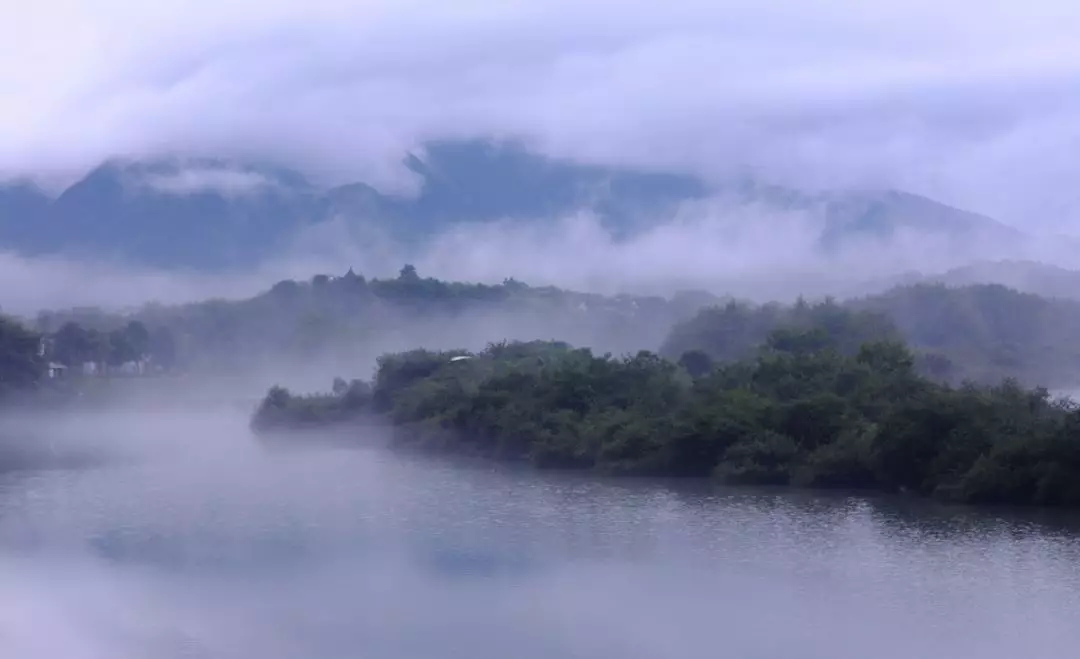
973	104
203	545
191	180
748	250
31	284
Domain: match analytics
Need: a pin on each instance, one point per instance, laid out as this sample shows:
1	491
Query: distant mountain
1026	276
480	181
886	213
23	211
209	214
205	214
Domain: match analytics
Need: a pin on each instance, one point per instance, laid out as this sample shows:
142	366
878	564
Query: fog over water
160	529
185	539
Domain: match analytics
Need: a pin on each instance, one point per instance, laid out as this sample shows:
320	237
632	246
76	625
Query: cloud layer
199	180
970	103
724	247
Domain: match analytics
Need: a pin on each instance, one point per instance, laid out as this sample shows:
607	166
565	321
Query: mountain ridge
213	214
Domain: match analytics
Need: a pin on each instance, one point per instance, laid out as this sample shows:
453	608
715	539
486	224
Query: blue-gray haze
177	538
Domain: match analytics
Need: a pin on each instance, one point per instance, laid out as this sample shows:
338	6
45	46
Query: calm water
184	540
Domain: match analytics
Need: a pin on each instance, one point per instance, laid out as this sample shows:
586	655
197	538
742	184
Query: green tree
408	273
696	362
21	367
74	345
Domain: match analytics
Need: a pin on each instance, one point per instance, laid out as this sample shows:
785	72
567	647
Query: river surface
184	540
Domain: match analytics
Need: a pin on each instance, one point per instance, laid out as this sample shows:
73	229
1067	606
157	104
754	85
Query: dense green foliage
280	410
736	330
982	333
353	318
797	412
21	368
74	345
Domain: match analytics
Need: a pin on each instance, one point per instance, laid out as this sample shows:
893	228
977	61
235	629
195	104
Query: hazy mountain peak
208	212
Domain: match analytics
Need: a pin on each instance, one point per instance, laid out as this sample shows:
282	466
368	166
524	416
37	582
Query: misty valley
401	466
923	388
419	467
695	329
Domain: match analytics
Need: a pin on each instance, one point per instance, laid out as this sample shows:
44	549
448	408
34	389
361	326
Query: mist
972	105
156	524
719	245
142	517
190	541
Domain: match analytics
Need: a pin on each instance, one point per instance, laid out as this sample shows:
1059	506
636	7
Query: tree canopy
982	333
799	411
351	317
21	367
73	345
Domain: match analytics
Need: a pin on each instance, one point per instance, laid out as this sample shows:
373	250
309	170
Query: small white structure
56	370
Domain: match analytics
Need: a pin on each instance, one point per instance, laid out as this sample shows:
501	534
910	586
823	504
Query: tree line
351	317
805	409
74	345
982	333
21	365
27	356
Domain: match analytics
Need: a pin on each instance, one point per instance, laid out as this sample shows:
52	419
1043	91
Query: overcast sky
975	103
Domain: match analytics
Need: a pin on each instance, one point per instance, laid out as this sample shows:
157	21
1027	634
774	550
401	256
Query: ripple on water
344	553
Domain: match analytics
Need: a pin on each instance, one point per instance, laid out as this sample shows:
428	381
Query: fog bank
200	545
747	250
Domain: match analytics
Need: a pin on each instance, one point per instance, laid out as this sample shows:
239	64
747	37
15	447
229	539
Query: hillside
989	331
210	214
983	332
349	319
1026	276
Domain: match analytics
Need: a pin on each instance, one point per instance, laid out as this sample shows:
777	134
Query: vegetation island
828	394
926	388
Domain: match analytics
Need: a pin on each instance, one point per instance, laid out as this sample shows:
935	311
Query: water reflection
239	553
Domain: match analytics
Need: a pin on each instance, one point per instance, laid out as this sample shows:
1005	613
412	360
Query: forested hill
1025	276
980	332
349	318
989	331
983	332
